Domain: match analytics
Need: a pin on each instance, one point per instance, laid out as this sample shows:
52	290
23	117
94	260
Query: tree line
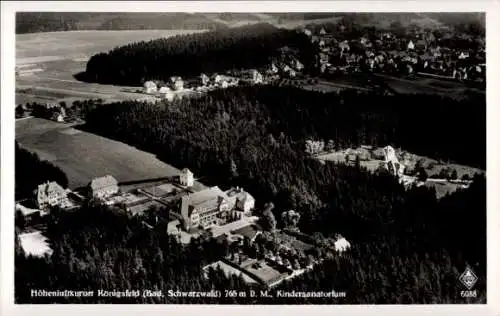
30	171
190	55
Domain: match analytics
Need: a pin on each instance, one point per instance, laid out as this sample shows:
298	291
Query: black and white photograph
249	158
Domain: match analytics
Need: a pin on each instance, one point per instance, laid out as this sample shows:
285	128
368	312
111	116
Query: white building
204	208
273	69
257	76
150	87
204	79
463	55
298	65
217	78
392	163
342	244
242	200
50	194
411	46
177	83
166	93
186	177
103	187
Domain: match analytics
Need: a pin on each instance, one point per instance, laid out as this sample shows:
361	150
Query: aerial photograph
318	158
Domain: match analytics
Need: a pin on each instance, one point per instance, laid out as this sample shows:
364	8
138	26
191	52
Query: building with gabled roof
241	199
166	93
410	45
103	187
50	194
177	83
205	208
186	178
150	87
341	244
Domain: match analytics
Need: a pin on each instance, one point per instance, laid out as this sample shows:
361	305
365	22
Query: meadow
62	55
84	156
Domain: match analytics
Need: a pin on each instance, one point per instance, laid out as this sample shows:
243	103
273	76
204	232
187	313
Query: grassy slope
83	156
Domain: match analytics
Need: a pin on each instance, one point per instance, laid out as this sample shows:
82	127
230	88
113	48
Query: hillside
33	22
245	47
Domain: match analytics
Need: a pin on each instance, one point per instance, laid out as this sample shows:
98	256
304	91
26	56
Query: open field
443	188
340	156
426	85
433	167
372	161
326	86
43	47
61	55
83	156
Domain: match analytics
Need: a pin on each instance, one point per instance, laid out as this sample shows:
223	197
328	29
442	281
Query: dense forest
189	55
30	171
227	122
417	259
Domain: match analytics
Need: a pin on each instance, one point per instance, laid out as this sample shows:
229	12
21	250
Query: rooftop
239	194
49	188
103	182
200	197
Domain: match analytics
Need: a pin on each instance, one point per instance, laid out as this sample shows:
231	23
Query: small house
410	45
204	79
177	83
166	93
103	187
242	200
186	177
150	87
463	55
257	77
341	244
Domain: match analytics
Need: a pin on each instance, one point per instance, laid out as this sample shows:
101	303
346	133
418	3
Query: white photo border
8	10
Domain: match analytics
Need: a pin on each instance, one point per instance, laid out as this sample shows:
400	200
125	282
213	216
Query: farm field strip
61	55
62	45
84	156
